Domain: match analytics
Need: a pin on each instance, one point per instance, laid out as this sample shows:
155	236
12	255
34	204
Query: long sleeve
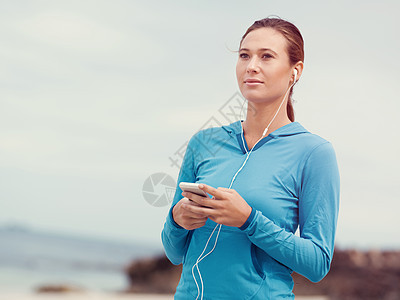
175	238
310	254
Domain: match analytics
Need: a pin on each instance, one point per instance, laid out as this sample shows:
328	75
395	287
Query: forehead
265	38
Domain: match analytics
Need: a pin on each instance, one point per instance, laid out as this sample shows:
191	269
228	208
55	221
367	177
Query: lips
253	80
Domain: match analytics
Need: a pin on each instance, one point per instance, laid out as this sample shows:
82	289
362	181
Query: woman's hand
226	207
184	216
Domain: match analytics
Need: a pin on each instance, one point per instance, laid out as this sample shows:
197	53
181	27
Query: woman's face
263	70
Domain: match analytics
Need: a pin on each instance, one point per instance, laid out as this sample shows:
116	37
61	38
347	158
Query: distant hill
23	246
31	258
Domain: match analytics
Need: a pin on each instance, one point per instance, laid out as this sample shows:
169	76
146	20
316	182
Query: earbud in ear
295	75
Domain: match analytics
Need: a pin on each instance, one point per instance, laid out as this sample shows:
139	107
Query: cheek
277	76
240	68
237	71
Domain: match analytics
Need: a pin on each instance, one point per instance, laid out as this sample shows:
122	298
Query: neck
259	115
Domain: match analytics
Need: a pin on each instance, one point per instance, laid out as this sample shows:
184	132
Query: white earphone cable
200	258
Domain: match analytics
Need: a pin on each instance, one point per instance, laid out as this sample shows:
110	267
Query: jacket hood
287	130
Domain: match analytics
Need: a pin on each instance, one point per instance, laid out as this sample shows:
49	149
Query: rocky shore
354	274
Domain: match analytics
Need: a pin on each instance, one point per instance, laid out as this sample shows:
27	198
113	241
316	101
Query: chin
255	97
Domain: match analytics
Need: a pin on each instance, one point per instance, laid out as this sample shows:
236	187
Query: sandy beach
104	296
82	296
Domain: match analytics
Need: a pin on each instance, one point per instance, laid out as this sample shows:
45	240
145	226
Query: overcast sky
96	96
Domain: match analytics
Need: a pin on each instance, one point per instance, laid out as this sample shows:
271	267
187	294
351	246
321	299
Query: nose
253	65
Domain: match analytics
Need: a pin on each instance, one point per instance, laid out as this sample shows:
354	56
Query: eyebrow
259	50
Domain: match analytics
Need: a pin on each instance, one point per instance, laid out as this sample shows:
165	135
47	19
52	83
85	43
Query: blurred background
98	98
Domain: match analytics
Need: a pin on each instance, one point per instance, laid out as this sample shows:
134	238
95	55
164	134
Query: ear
299	68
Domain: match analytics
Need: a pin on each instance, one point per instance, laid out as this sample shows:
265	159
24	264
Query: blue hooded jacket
291	180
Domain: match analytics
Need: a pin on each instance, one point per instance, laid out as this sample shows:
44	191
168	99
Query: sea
30	259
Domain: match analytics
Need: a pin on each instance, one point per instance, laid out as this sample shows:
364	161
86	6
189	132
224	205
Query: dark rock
153	275
354	274
58	288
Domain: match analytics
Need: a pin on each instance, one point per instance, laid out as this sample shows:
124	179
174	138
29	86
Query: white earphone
295	75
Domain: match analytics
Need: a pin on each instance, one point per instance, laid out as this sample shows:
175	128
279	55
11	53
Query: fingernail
201	186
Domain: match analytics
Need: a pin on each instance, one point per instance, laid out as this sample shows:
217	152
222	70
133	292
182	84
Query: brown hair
295	45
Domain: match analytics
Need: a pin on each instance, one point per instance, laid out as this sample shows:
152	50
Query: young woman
267	176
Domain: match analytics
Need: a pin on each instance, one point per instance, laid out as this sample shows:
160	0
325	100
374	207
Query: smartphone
193	188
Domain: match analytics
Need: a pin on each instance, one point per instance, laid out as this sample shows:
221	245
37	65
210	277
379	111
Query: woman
273	176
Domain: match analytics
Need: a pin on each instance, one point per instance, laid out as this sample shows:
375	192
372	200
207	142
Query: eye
243	55
266	55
